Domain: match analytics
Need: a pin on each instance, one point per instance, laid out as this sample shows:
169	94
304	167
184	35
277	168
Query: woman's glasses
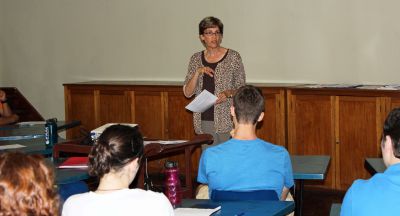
209	34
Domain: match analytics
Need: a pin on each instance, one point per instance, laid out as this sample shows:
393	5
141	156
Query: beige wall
45	43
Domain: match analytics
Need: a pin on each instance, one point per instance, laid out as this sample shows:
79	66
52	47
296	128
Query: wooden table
156	150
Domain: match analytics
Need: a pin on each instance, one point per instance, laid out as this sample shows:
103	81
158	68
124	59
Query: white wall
45	43
2	81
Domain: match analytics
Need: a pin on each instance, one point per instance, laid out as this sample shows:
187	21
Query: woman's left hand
222	97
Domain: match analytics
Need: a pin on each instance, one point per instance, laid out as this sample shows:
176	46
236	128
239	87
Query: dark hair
27	186
391	128
116	146
210	22
248	103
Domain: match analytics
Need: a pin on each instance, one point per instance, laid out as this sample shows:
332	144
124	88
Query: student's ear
233	111
260	118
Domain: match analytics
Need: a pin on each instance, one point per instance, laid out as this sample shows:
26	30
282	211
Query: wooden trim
132	104
337	141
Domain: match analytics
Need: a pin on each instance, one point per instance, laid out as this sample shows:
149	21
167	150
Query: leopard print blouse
229	75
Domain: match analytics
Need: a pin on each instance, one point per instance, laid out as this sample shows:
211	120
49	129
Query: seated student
26	186
380	194
245	162
115	159
6	115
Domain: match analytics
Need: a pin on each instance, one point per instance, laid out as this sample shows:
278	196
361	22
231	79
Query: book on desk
75	163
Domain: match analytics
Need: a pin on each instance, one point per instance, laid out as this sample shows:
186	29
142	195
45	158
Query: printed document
202	102
12	146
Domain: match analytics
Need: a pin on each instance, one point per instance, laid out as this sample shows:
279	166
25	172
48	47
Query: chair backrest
219	195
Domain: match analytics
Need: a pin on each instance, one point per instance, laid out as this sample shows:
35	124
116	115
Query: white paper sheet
165	142
12	146
202	102
193	212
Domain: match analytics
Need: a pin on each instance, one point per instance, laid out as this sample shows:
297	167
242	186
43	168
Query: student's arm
6	115
8	120
285	192
288	173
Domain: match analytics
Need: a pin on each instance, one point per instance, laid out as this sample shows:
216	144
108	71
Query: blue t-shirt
380	195
246	165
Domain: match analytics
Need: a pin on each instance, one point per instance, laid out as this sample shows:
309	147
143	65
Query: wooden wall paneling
359	120
311	129
394	102
114	106
272	128
80	106
132	105
149	113
179	125
180	120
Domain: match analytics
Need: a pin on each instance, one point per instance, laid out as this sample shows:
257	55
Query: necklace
110	189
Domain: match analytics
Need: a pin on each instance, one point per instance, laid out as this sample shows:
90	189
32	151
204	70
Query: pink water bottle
172	183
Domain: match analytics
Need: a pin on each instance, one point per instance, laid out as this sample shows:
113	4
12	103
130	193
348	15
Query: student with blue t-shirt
380	194
245	162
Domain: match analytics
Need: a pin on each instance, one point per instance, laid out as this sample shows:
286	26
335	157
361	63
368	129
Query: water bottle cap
171	164
52	120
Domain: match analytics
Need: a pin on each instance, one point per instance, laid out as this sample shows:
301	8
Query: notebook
75	163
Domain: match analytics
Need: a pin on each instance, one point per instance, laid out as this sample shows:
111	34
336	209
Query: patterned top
229	75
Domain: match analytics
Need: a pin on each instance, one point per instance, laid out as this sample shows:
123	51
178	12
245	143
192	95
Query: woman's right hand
205	70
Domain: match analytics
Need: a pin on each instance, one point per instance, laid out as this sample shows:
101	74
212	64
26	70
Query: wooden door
272	128
358	127
311	129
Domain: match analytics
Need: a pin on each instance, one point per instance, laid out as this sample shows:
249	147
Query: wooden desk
30	136
155	151
254	207
31	131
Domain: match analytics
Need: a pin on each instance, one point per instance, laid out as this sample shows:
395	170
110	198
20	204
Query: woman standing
218	70
115	159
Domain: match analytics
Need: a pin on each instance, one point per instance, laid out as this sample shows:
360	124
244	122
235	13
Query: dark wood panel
149	113
360	123
311	129
114	107
80	104
272	127
179	120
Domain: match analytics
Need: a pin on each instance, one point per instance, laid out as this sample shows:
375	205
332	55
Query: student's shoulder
368	185
76	200
274	147
148	194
